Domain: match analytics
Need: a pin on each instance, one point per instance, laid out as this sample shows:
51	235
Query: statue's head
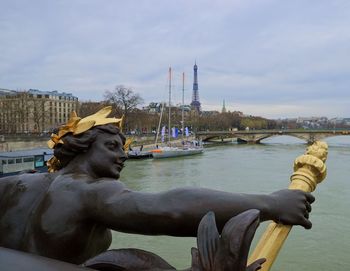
78	136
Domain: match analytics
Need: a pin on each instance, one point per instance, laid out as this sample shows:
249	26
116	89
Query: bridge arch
278	138
256	136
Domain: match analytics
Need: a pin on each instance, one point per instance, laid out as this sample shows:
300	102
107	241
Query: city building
195	104
312	122
153	107
34	111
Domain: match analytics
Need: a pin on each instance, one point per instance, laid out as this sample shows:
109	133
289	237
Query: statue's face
106	155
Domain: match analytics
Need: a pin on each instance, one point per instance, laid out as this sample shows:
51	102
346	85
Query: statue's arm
177	212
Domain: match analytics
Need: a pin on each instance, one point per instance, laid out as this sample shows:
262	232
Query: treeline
232	120
125	102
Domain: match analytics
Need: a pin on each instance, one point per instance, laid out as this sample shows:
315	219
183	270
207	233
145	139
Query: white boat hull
175	152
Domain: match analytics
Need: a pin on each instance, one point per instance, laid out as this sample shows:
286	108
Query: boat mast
183	103
160	120
169	127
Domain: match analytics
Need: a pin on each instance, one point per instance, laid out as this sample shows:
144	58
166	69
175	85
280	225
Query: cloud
267	57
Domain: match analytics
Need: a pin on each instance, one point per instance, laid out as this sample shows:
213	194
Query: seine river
255	169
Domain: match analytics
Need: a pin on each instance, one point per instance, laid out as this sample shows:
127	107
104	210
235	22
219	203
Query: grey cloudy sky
272	58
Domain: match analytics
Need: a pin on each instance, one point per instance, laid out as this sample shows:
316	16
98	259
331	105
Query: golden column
309	170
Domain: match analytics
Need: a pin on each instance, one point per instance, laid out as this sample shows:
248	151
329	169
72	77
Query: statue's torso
45	214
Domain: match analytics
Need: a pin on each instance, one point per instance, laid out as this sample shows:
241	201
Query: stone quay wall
15	143
26	142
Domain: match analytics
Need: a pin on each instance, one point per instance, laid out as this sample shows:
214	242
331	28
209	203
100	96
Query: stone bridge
255	136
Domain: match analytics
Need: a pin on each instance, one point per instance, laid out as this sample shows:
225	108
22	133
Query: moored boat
137	154
168	152
187	148
33	160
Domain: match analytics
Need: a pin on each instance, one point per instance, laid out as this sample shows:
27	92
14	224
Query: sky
269	58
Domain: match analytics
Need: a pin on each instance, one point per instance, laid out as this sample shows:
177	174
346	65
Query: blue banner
163	133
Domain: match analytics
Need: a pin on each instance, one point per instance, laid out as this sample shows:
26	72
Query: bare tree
39	113
88	108
123	99
14	112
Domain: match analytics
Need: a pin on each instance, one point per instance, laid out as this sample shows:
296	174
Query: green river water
260	168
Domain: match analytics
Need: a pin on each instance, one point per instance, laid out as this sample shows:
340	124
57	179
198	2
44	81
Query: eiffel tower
195	104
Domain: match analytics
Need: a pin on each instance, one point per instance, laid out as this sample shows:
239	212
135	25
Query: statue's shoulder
11	185
87	183
8	179
109	183
7	182
22	178
106	187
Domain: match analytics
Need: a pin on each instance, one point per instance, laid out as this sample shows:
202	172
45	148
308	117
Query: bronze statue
215	252
68	214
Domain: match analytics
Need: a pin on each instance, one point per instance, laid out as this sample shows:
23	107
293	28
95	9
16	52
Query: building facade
34	111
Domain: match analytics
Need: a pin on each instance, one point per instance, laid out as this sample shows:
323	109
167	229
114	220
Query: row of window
17	102
42	110
41	96
66	98
17	160
62	103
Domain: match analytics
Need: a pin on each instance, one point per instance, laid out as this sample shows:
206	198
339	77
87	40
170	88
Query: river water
260	168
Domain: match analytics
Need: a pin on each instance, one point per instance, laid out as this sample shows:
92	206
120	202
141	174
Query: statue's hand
292	207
